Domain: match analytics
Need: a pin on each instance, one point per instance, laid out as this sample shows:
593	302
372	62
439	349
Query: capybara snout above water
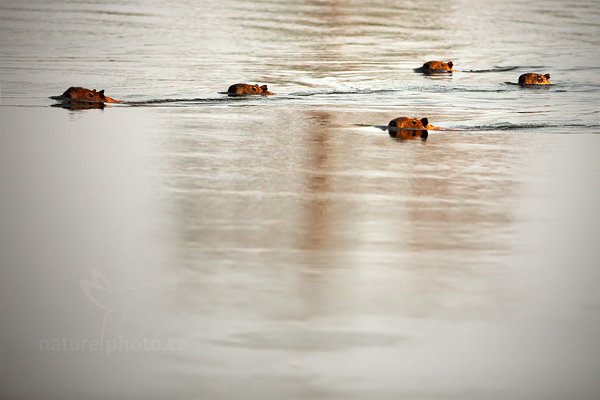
245	88
534	79
81	94
409	128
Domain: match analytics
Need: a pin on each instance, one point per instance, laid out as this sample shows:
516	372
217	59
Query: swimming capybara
80	94
534	79
436	66
409	128
245	88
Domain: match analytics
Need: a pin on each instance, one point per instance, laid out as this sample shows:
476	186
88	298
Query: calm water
194	246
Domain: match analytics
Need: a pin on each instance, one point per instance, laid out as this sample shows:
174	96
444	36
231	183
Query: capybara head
438	66
534	79
83	94
408	128
245	88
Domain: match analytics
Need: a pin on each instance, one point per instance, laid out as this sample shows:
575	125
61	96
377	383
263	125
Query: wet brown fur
534	79
409	128
77	94
437	66
245	88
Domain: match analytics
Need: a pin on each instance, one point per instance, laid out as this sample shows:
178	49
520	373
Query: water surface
190	245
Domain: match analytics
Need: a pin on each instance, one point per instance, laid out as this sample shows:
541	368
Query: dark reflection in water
79	105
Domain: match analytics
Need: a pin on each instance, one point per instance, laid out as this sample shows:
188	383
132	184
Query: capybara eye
253	89
414	122
90	95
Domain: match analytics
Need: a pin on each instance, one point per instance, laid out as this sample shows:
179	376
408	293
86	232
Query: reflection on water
80	105
343	204
192	245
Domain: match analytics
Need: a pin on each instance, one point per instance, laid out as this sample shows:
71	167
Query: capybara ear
450	64
264	88
425	122
101	93
547	76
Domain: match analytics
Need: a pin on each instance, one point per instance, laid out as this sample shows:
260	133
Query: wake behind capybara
240	89
81	94
409	128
